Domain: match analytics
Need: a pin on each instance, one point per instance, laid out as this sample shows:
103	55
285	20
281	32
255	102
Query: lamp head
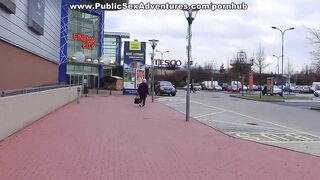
190	14
154	43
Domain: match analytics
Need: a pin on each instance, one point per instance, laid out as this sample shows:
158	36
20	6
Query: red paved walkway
110	138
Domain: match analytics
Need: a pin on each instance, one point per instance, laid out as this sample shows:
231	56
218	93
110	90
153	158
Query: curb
262	100
315	108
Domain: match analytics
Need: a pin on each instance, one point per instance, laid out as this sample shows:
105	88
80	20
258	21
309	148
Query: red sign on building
87	41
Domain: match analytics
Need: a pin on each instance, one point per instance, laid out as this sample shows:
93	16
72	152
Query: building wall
28	59
20	69
14	29
64	55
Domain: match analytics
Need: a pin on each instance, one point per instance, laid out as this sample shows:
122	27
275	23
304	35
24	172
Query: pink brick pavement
110	138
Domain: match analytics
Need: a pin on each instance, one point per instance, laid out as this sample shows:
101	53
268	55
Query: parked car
315	86
236	83
210	85
257	88
224	86
217	88
196	86
317	93
287	88
233	88
245	88
304	89
276	90
203	87
165	87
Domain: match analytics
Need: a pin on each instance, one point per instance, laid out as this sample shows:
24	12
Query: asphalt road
292	127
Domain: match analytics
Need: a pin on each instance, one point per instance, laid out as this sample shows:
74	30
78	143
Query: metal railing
14	92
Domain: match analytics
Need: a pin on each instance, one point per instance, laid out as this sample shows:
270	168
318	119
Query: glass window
84	24
111	48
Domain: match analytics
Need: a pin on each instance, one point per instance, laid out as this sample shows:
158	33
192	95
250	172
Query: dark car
165	87
224	86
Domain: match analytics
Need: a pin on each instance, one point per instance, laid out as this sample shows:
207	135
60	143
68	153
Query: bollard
78	97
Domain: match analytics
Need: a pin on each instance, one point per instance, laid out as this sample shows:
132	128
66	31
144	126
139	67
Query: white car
277	90
217	88
317	93
196	87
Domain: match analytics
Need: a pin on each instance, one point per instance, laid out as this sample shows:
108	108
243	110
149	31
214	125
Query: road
269	123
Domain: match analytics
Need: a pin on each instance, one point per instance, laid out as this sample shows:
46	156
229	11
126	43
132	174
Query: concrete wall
16	112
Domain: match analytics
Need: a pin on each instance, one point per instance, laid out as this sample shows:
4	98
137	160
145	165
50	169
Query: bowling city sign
167	62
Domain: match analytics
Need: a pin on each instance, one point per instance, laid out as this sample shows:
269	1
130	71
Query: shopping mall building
45	42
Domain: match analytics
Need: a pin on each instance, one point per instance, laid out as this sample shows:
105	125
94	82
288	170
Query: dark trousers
143	100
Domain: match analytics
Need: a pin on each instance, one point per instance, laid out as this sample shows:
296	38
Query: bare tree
289	68
315	39
260	62
210	65
315	67
222	69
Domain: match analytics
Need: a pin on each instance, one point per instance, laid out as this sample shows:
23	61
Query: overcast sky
219	35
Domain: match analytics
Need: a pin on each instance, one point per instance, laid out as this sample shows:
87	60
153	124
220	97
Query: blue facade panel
64	35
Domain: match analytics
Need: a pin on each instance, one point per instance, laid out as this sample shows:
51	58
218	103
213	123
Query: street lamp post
190	14
154	43
162	52
278	61
282	33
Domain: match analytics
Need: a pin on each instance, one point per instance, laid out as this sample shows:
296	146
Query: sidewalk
109	138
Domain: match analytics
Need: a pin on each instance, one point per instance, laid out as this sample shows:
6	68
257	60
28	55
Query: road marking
276	137
295	136
197	117
250	117
240	124
175	103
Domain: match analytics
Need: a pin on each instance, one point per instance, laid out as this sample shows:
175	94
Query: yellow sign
135	46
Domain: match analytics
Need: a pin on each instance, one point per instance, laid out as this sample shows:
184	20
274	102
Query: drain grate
253	124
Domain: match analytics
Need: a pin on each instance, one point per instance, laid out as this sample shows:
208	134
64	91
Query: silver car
317	93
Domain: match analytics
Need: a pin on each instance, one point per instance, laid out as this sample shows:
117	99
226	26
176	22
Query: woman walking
143	92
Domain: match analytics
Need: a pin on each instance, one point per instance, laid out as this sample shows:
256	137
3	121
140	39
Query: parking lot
290	124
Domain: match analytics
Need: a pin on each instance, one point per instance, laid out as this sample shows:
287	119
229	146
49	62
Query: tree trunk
260	82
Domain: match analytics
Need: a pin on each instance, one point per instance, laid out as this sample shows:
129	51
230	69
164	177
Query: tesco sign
161	62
